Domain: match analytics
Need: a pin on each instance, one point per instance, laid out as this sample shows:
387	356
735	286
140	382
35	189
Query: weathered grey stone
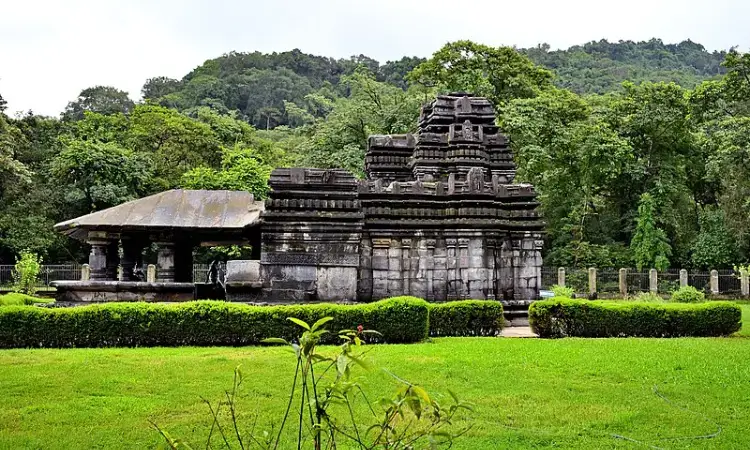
85	272
151	273
592	281
243	271
653	281
683	278
714	282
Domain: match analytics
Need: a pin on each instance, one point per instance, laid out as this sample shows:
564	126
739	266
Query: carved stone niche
475	179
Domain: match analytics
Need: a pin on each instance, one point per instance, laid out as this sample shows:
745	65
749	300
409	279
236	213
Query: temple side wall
310	266
527	263
440	269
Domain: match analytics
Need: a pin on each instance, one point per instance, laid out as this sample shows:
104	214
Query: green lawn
529	393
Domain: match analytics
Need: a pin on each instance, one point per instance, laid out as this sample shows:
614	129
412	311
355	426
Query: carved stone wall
312	228
438	217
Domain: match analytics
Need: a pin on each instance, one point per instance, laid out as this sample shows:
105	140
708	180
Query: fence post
561	276
744	283
592	281
623	282
683	278
653	281
714	282
85	272
151	273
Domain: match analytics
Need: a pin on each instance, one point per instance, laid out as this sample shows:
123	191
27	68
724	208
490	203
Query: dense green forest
639	150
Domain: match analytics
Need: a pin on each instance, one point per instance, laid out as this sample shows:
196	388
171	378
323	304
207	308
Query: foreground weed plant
326	405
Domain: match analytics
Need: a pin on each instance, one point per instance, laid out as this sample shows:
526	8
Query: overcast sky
52	49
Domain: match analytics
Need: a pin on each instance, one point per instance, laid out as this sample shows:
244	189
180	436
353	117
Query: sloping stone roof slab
178	209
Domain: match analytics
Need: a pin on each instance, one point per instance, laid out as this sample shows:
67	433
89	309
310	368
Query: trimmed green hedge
466	318
202	323
582	318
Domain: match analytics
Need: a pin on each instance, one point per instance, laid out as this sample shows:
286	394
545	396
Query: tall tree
99	99
372	108
500	74
650	246
97	175
241	170
157	87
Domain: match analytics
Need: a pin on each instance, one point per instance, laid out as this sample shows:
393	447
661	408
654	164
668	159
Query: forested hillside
259	86
650	172
601	66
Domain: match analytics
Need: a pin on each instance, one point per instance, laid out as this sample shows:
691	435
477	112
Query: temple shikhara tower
438	217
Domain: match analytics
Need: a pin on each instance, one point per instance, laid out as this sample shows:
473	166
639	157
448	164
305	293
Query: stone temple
438	217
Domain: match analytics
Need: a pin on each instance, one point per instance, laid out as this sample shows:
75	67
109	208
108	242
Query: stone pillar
592	281
165	262
561	276
653	281
683	278
452	271
527	262
505	271
98	260
364	277
744	283
395	277
151	273
380	267
623	282
104	256
714	282
85	272
406	272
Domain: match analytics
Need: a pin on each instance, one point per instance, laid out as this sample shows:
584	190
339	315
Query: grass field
528	393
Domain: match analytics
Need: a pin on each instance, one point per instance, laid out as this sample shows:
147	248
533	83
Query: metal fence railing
72	272
728	282
47	274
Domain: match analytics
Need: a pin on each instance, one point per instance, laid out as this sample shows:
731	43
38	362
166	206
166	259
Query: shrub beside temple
399	320
466	318
582	318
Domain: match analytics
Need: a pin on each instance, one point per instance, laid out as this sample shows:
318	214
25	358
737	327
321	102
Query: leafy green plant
688	294
26	273
579	318
15	298
562	291
333	409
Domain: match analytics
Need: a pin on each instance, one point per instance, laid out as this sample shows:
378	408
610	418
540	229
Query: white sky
52	49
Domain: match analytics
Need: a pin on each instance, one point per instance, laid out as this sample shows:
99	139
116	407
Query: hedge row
582	318
466	318
203	323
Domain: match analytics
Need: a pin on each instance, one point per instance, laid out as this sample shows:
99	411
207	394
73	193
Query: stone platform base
516	312
122	291
518	332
